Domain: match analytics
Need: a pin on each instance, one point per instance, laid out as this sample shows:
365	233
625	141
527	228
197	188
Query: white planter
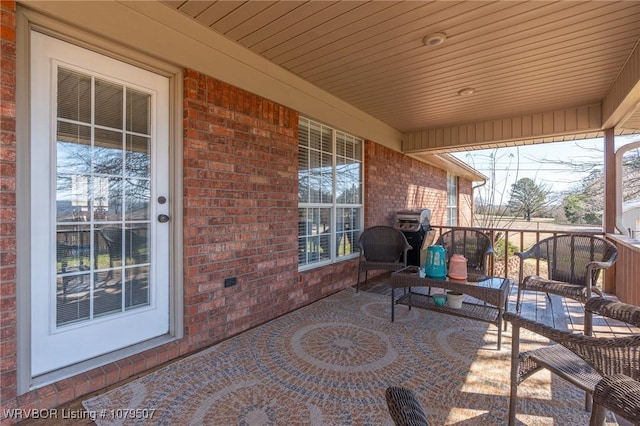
454	299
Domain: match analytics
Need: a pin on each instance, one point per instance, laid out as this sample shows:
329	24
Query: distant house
631	217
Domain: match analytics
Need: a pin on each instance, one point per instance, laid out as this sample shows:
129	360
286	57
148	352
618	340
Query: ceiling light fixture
467	91
434	39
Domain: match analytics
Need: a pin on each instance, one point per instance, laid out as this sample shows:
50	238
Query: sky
538	162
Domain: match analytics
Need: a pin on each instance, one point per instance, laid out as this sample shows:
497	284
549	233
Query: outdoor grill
415	225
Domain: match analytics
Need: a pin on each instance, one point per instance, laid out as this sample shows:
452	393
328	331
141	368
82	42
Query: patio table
493	291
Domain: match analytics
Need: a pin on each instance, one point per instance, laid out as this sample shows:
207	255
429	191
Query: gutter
452	164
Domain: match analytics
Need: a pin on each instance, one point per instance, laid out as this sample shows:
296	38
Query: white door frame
91	337
26	21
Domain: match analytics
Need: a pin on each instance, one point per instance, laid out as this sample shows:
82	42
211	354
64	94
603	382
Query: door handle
163	218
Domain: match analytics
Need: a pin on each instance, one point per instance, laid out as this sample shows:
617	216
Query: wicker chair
473	244
617	393
574	263
404	407
578	358
135	243
381	247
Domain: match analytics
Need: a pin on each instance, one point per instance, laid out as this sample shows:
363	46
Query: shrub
498	248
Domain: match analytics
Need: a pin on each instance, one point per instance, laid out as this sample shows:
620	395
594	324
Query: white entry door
99	200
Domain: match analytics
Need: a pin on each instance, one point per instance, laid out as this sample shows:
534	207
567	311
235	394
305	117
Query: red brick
47	396
97	379
82	384
66	395
112	373
125	366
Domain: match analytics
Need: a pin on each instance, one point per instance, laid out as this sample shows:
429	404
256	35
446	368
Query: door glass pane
73	248
137	194
73	295
136	243
137	287
138	111
107	295
74	96
108	104
72	197
107	198
73	148
315	136
112	236
108	153
73	261
137	156
102	198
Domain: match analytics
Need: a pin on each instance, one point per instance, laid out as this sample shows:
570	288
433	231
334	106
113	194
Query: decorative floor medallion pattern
330	363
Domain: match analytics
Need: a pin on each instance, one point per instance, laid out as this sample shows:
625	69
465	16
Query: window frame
333	207
452	194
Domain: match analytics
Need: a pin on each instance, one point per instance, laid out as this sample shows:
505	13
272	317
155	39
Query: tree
580	209
528	198
489	206
593	185
631	175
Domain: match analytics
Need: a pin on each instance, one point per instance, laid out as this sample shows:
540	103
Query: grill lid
413	220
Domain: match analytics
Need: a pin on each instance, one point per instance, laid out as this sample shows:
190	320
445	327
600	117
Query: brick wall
7	204
395	181
240	206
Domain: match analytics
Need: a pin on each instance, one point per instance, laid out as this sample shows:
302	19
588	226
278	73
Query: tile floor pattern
329	364
291	370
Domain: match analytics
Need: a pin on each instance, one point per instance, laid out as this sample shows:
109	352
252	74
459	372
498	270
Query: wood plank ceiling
520	57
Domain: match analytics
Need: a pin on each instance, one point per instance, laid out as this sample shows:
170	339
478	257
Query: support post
610	196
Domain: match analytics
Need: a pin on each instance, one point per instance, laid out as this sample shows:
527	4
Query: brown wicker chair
381	247
404	407
619	394
578	358
574	263
473	244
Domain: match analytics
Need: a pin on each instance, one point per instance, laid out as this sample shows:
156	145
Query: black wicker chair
573	262
381	247
471	243
579	358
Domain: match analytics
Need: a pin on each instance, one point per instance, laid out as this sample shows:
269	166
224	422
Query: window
329	193
452	200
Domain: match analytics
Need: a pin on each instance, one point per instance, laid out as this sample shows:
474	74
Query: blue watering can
436	262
